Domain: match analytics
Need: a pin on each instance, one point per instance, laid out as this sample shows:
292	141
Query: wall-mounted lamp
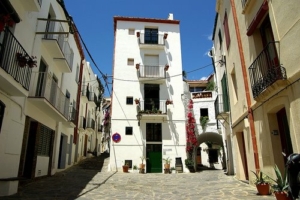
139	117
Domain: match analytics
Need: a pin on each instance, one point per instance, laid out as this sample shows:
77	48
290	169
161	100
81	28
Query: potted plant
137	66
135	169
169	102
189	163
165	35
167	164
203	122
166	67
21	59
125	167
32	62
138	34
142	165
262	183
137	101
280	186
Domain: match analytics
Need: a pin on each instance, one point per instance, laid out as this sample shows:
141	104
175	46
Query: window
203	112
129	100
130	61
77	74
2	108
220	38
235	87
128	130
128	162
226	30
45	141
153	132
225	97
131	31
151	36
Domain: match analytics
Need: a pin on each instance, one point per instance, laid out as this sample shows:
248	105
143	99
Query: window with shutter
226	30
225	94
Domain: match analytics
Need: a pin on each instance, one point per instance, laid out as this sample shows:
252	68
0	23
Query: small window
2	108
129	100
128	131
77	74
226	30
203	112
131	31
130	61
129	163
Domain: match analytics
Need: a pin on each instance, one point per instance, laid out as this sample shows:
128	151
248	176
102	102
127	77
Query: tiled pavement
90	180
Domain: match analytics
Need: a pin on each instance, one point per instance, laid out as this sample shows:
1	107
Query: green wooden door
154	155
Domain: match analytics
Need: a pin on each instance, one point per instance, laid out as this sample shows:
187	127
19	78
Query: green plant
167	160
203	121
143	159
261	178
189	162
210	86
135	167
173	168
281	183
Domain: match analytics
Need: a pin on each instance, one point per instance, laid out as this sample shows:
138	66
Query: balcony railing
148	71
159	40
201	95
9	47
221	106
72	114
46	87
82	123
90	124
266	69
153	106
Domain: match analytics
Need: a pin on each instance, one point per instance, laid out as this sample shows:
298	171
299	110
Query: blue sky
94	20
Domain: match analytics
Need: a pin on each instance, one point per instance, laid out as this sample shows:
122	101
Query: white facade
157	135
38	104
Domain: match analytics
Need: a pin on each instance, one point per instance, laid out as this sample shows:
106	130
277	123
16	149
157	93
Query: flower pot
125	168
166	67
167	166
263	189
142	166
282	196
137	101
137	66
191	168
138	34
165	35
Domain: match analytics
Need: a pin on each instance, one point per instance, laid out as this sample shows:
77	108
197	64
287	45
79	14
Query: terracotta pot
263	189
282	196
166	67
125	168
137	66
138	34
165	35
167	166
142	166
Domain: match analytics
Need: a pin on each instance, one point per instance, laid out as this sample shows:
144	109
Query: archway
216	141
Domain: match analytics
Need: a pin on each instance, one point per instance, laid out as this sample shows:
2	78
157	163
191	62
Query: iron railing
159	40
90	123
72	114
266	69
9	48
221	106
82	122
55	31
84	91
46	87
153	106
150	71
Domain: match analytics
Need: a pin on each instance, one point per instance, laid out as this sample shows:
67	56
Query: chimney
170	16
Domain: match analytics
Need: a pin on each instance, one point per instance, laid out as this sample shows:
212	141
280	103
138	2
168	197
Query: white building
147	67
39	95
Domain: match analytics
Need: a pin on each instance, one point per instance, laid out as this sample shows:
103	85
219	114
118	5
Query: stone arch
210	136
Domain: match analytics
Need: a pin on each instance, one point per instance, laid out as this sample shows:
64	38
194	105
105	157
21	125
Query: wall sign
116	137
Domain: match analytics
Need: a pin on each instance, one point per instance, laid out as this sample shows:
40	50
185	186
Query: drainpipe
245	78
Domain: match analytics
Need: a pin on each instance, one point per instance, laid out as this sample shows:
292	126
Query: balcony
92	98
204	95
90	125
82	123
71	123
154	42
32	5
221	107
266	70
153	73
18	81
48	97
84	93
156	109
55	41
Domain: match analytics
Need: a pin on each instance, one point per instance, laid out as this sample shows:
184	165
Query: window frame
2	111
128	130
129	100
226	30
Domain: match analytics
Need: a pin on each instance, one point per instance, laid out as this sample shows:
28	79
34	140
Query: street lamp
139	117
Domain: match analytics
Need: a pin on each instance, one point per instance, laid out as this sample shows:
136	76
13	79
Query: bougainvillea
191	140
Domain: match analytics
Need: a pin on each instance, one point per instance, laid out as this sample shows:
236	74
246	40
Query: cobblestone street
86	180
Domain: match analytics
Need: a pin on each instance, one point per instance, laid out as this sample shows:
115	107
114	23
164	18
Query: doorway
62	151
243	156
154	147
151	96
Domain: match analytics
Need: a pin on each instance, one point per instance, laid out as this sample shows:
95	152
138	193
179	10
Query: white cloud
203	78
209	37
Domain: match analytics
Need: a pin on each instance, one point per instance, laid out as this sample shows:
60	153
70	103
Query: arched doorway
213	146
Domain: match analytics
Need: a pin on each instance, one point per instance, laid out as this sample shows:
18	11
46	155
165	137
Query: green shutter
225	94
